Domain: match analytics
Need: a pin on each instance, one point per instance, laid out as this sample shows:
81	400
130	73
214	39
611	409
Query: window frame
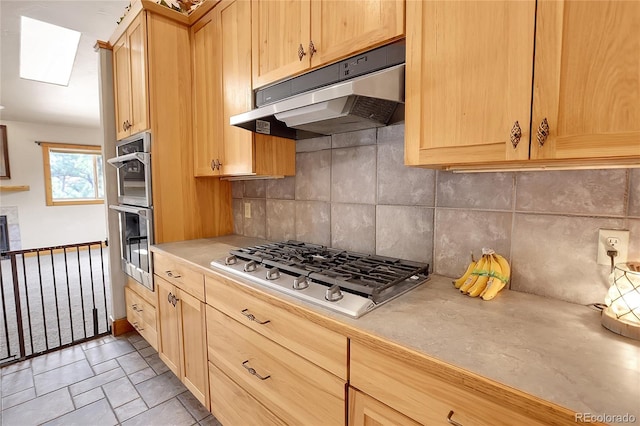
71	148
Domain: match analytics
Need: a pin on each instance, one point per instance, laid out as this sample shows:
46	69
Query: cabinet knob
543	131
301	52
254	372
516	134
312	48
213	164
124	126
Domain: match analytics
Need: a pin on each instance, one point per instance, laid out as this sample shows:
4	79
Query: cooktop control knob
273	274
230	260
333	294
250	266
300	283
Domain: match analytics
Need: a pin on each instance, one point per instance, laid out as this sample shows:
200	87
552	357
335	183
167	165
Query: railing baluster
94	311
104	290
26	295
16	295
66	273
4	313
84	317
44	318
55	295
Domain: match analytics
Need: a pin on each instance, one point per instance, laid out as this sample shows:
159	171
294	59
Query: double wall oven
135	205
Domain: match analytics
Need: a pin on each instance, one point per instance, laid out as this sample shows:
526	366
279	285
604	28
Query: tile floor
107	381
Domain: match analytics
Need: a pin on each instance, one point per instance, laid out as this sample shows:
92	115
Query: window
72	174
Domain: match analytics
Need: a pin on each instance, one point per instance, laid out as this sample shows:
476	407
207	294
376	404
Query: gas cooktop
343	281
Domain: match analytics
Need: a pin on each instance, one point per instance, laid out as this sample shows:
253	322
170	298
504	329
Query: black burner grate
361	273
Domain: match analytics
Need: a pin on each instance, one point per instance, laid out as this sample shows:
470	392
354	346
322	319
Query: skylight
47	51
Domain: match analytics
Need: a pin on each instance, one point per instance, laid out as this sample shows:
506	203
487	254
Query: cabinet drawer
232	405
142	316
311	341
294	389
408	387
179	274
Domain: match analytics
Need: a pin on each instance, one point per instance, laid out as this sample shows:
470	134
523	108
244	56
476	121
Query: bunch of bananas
486	277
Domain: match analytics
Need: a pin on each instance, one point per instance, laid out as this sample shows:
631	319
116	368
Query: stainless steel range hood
342	97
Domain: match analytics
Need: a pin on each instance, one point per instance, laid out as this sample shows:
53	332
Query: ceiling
76	104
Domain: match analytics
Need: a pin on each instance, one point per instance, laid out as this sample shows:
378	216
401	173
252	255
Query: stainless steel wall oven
135	206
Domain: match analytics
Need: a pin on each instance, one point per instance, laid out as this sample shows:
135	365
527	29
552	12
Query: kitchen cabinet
469	74
184	207
265	353
221	50
182	334
317	33
141	314
364	410
130	79
431	392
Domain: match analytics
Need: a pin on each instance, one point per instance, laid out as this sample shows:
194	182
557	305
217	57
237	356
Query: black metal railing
52	297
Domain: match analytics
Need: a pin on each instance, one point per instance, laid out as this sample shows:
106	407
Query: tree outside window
73	174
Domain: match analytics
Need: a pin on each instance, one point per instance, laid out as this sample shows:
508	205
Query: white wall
42	225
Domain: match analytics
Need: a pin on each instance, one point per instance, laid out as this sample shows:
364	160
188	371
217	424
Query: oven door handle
135	210
143	157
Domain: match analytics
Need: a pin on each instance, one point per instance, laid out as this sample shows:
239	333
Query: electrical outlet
247	210
612	239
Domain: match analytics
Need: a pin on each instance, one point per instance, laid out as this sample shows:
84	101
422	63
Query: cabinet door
194	343
207	118
279	29
169	344
122	86
468	81
341	29
234	45
137	41
366	411
587	83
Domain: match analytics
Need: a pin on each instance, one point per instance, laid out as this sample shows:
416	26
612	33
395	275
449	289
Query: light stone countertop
551	349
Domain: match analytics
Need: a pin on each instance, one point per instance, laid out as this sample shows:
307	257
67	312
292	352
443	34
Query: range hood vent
358	93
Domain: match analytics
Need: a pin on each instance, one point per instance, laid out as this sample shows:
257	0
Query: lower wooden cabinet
367	411
182	343
294	389
232	405
141	315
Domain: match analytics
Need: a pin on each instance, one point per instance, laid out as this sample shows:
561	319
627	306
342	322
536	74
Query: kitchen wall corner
353	191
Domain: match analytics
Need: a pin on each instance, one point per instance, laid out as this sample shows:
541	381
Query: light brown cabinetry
130	79
366	411
282	365
317	33
184	207
141	315
182	343
221	50
470	70
294	389
430	392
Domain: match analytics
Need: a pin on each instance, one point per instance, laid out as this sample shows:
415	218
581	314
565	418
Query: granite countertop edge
554	350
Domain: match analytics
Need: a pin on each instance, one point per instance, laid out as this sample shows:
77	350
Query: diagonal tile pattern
107	381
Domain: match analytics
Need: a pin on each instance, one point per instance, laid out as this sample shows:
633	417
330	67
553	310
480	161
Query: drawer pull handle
137	327
134	307
252	317
172	275
451	421
254	372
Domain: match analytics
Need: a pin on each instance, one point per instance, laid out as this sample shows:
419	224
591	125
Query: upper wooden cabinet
130	79
291	37
587	80
470	71
222	68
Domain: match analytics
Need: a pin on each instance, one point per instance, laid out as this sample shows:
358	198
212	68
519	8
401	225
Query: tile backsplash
353	191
